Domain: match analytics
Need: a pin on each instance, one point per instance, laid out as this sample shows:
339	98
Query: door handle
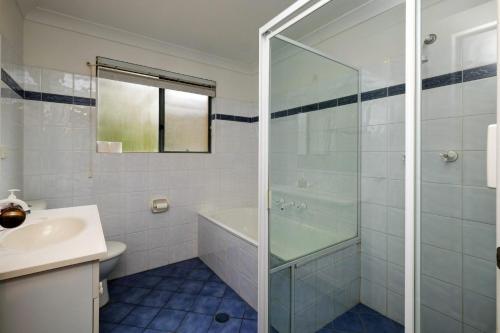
491	156
498	257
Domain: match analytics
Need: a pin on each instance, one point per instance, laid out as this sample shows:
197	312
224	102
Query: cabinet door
56	301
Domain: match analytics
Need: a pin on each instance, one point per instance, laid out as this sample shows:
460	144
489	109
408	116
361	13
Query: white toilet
115	249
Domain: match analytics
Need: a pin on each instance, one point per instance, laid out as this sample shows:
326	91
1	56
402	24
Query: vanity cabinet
62	300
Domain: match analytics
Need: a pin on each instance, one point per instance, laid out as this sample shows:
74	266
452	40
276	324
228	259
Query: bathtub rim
208	216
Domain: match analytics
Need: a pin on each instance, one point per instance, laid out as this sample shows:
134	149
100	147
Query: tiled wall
458	268
325	288
382	215
62	168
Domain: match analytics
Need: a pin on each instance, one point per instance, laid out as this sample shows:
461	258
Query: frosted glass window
186	122
128	113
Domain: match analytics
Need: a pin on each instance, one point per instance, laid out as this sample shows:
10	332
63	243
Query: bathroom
280	166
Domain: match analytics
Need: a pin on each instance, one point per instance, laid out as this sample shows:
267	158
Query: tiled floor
362	319
182	297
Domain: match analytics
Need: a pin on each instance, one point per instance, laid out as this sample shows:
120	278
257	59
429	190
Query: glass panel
314	152
186	121
314	185
456	267
128	113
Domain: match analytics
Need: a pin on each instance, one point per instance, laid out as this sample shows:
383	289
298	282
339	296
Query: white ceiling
225	28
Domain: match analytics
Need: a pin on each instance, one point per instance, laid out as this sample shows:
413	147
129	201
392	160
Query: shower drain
221	317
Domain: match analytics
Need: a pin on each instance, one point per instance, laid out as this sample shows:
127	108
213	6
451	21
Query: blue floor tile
156	298
167	320
230	293
127	329
379	324
233	325
191	287
195	323
362	319
115	312
191	264
215	289
215	278
140	316
115	290
248	326
349	321
200	274
182	302
169	284
133	295
250	313
181	272
106	327
234	308
148	281
206	304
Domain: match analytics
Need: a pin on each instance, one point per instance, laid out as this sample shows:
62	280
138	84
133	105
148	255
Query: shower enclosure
374	209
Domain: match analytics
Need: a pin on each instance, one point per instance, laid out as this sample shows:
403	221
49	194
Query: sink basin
42	234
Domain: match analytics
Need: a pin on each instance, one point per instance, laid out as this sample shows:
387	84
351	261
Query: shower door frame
285	19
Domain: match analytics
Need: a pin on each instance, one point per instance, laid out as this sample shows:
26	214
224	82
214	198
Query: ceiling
225	28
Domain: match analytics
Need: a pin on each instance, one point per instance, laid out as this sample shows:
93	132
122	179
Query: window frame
162	75
161	127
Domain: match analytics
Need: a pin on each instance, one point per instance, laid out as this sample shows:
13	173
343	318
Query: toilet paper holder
159	205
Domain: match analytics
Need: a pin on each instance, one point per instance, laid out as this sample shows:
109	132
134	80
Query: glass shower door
313	180
455	244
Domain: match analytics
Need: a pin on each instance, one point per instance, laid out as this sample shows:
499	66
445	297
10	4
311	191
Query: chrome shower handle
449	156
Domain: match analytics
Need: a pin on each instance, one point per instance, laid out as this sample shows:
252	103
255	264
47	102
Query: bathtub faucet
287	204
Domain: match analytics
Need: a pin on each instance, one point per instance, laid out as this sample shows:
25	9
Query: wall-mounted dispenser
159	205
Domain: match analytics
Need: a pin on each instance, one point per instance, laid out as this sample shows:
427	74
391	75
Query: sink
38	235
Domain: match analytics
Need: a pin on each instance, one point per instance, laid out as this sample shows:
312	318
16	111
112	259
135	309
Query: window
146	110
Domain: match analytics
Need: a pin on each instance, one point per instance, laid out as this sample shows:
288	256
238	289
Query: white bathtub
227	243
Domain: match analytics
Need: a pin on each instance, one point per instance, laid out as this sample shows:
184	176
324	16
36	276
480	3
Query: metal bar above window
127	72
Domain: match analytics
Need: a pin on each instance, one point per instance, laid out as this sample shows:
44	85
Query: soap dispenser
12	214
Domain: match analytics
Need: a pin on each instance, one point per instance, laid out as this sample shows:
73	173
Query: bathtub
227	243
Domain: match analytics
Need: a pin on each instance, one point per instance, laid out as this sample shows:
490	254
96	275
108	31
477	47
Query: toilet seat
114	249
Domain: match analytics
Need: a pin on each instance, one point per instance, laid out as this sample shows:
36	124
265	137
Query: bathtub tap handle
279	201
288	204
301	205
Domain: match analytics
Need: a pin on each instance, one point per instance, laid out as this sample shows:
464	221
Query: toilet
106	266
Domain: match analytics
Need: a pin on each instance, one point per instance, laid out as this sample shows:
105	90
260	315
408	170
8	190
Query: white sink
38	235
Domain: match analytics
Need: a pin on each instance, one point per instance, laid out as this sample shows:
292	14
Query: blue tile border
11	83
466	75
374	94
41	96
480	72
442	80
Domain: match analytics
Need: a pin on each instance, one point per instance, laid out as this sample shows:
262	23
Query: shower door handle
491	156
498	257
